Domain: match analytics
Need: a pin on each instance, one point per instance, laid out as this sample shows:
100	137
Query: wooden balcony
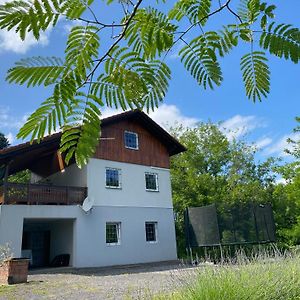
39	194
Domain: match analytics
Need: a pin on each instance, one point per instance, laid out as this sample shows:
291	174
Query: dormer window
131	140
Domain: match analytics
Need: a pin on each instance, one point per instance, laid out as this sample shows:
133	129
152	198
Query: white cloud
263	142
68	26
238	126
170	115
108	112
281	144
10	138
7	121
165	115
10	41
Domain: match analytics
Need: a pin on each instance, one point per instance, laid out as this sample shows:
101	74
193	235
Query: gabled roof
25	154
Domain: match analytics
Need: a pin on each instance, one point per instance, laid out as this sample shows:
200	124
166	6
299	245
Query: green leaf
36	71
82	49
130	81
256	75
81	132
75	8
195	10
282	40
24	16
150	33
200	60
249	10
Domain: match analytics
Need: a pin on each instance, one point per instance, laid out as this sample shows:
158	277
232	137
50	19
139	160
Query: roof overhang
32	155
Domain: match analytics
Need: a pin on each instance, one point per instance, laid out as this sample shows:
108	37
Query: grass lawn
260	279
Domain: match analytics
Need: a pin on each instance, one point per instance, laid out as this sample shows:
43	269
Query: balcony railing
39	194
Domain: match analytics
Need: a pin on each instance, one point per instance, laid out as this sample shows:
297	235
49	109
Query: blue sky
268	124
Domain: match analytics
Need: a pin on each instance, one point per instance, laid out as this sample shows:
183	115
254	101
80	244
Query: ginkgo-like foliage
123	63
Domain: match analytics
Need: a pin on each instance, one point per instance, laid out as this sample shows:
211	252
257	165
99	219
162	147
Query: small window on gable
151	232
131	140
151	182
113	178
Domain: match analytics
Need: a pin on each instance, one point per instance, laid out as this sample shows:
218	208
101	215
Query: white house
126	184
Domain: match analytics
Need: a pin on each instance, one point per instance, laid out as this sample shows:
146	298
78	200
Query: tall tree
3	141
287	195
129	70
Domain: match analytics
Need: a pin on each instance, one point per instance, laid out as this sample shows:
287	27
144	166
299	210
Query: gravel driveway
131	282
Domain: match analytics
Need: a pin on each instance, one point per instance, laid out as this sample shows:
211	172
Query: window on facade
131	140
151	231
113	233
151	182
113	178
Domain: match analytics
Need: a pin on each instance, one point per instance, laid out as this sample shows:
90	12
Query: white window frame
118	224
156	232
156	181
137	140
119	175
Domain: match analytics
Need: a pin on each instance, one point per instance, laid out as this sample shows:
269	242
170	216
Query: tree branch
121	36
234	13
195	24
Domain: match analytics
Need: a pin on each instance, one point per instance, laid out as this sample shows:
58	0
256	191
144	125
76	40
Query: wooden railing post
28	192
67	195
4	192
5	187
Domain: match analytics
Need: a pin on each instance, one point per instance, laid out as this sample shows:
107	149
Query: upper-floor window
151	182
113	178
131	140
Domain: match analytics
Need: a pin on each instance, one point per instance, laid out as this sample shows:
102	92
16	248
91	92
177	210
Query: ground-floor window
151	232
113	230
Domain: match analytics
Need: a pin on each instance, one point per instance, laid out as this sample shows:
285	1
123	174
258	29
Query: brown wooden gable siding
151	151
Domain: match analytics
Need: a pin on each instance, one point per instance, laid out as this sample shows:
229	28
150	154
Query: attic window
131	140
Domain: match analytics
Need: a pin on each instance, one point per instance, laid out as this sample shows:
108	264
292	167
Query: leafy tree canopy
217	170
131	72
3	141
287	195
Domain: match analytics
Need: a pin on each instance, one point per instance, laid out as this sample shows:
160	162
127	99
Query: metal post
255	222
221	254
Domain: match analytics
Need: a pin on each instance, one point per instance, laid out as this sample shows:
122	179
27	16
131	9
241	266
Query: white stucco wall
131	205
73	176
62	239
89	240
133	191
